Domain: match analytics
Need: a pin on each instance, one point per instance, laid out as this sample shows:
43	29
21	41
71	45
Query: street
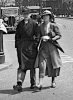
64	88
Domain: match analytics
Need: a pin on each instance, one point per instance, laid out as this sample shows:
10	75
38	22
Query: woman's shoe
39	87
53	85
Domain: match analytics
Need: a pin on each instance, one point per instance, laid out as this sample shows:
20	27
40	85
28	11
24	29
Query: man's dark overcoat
24	39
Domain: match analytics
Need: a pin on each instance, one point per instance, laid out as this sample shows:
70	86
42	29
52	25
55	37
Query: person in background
39	19
49	60
6	21
26	50
34	17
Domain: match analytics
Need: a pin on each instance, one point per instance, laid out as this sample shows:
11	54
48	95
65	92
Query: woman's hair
50	17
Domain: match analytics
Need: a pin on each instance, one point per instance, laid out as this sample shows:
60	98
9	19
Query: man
26	50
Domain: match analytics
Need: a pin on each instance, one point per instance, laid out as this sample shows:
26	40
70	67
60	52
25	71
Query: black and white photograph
36	49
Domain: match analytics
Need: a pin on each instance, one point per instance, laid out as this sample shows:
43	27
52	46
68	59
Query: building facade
59	6
52	3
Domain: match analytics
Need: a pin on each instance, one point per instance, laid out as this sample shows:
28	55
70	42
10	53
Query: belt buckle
45	40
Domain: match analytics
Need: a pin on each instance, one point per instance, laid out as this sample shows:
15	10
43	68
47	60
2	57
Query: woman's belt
43	38
55	43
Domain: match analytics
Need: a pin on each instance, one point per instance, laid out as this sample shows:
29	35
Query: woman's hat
46	12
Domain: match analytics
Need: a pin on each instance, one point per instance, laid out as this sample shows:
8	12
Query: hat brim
45	15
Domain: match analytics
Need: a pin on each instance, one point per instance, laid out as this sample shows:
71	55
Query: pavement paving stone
63	90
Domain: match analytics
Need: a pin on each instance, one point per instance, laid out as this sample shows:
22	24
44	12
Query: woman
49	60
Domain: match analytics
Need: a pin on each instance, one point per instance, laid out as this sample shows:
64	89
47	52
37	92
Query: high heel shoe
39	87
53	84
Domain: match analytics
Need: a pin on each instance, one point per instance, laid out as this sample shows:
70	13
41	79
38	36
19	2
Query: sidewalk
5	66
63	90
8	61
8	78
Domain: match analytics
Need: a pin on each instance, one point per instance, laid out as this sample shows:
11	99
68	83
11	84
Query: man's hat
46	12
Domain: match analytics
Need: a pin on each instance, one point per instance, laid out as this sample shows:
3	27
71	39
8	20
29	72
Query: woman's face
46	18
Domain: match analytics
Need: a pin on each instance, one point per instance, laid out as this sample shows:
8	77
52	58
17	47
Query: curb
65	17
5	65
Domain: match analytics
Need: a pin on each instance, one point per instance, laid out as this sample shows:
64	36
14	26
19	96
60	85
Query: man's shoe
17	88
